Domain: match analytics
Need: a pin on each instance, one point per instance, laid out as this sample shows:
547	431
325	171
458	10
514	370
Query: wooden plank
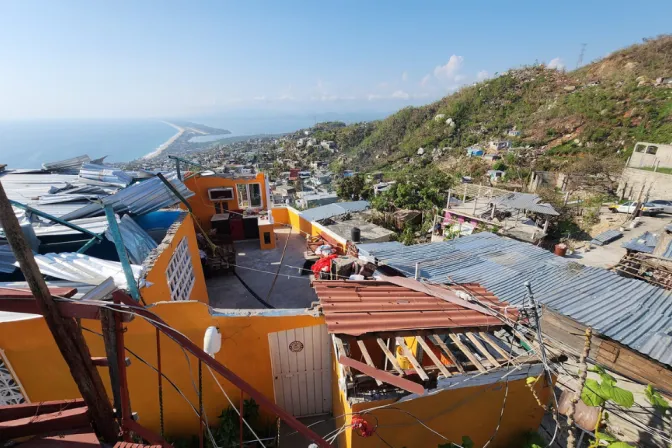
455	338
25	293
432	356
437	340
490	339
474	340
342	352
390	356
408	354
383	376
367	358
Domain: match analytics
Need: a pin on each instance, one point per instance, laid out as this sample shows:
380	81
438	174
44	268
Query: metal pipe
55	219
88	245
175	192
121	252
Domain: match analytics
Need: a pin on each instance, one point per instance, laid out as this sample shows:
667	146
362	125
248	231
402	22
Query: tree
354	188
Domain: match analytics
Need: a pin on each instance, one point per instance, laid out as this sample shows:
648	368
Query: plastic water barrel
355	234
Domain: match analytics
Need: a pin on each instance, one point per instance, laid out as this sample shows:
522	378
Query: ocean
27	144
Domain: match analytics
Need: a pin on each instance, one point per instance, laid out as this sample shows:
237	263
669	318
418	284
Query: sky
63	59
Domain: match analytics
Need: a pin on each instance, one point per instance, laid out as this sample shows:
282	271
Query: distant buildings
475	151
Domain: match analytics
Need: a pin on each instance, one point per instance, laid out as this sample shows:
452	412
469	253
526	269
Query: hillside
600	109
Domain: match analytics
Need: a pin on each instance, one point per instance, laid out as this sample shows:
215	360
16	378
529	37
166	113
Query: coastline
162	147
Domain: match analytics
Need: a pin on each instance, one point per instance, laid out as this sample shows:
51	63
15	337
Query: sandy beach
167	143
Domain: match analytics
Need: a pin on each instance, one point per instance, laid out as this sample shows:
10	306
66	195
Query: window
255	195
249	195
651	149
10	389
180	272
220	194
640	148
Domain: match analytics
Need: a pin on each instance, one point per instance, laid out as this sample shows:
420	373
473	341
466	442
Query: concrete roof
368	231
335	209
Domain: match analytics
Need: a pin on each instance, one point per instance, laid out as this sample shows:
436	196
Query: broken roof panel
645	242
72	164
7	259
138	199
335	209
104	175
525	201
358	307
636	309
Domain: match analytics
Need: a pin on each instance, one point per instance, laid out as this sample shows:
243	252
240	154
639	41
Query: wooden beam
67	334
390	356
66	419
66	309
487	337
383	376
22	410
437	340
408	354
432	356
474	340
342	352
463	348
367	358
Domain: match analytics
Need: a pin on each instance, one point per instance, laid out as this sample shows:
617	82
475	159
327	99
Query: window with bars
180	272
10	390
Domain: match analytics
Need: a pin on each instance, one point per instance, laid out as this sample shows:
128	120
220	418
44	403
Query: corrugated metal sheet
7	259
646	242
104	175
606	237
358	307
336	209
138	243
97	225
626	310
138	199
67	165
668	251
85	269
524	201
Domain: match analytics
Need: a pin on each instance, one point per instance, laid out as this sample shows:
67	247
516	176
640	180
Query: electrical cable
234	407
282	257
254	294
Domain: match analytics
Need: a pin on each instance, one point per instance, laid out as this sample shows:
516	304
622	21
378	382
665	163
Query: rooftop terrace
257	269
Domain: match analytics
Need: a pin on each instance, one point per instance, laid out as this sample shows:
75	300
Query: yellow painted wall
288	216
468	411
45	376
159	291
200	203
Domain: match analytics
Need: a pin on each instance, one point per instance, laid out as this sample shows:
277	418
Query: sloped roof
632	312
335	209
358	307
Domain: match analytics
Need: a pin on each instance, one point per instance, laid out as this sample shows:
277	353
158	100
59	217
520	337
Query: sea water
28	144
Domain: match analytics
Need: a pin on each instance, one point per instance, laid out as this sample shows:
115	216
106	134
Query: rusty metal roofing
358	307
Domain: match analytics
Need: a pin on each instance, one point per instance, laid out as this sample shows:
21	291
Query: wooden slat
487	337
342	352
474	340
408	354
386	377
367	358
390	356
437	340
432	356
463	348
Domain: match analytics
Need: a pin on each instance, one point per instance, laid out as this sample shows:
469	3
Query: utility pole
581	54
67	335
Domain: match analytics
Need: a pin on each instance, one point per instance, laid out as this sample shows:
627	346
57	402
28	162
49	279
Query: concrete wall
158	260
289	216
641	157
468	408
204	208
656	185
44	374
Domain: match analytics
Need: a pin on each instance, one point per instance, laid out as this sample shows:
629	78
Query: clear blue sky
143	58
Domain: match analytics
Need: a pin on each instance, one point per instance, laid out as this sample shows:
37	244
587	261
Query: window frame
652	149
247	201
222	189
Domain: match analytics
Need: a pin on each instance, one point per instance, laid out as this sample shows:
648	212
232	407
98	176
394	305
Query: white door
301	363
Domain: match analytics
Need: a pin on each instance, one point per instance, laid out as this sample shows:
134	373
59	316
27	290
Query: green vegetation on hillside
602	109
